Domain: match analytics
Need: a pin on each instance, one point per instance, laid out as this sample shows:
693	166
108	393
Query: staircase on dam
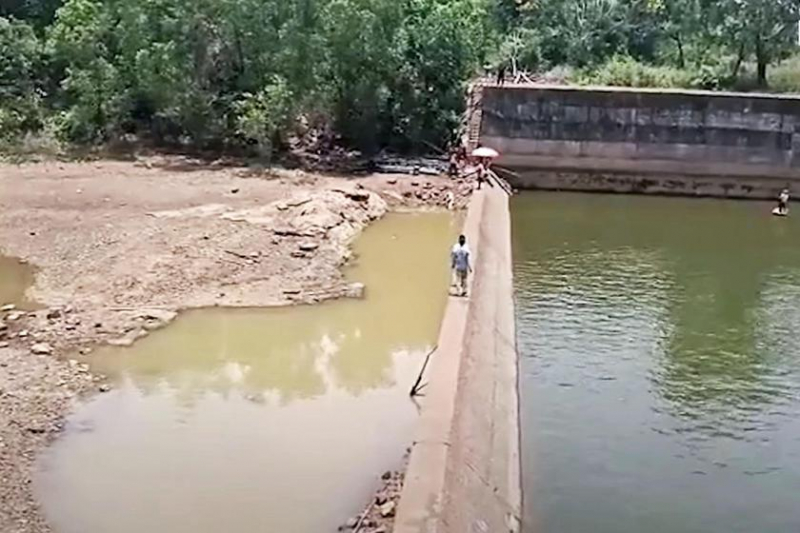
474	116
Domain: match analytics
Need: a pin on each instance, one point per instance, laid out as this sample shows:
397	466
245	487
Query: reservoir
254	420
659	344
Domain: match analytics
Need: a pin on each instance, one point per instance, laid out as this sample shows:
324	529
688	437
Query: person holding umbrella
484	156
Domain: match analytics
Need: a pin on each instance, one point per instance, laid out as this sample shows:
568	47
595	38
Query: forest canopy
373	74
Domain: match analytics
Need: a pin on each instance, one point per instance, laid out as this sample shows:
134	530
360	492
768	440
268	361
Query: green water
660	364
258	420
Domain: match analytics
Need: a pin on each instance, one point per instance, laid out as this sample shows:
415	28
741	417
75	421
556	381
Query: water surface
660	346
258	420
15	278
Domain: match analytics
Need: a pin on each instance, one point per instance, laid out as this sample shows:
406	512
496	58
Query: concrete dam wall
640	140
464	471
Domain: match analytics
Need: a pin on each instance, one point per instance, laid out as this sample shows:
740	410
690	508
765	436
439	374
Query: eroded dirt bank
120	247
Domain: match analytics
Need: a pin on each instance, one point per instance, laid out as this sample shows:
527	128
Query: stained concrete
728	144
464	469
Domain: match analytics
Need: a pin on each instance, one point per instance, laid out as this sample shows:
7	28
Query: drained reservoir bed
660	364
256	420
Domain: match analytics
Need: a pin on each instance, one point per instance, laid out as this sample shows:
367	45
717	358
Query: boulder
41	348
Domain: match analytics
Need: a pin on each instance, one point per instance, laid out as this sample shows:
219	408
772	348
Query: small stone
85	351
380	499
388	509
8	307
3	344
308	246
380	529
355	290
415	183
234	191
391	181
42	348
105	387
387	475
98	324
298	255
23	334
13	317
351	523
70	327
53	314
3	328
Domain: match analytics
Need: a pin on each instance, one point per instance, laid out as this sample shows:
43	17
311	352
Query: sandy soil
120	247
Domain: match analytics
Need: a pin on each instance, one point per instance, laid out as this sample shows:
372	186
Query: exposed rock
7	307
129	338
355	290
16	315
41	348
308	246
388	509
161	315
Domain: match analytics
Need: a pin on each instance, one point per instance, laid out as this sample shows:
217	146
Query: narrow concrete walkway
464	471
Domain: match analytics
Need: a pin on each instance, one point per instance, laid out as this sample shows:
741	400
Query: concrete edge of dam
464	469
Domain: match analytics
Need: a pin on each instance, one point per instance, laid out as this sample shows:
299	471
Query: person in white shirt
783	202
460	261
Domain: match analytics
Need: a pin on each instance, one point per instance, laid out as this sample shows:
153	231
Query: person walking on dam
461	263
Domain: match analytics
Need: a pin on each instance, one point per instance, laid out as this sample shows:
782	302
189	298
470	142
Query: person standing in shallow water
783	202
460	263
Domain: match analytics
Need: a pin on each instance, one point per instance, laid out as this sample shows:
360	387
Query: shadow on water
258	419
658	344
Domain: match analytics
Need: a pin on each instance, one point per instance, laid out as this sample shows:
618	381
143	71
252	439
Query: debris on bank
378	516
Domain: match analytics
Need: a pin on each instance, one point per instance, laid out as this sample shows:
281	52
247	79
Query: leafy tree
20	66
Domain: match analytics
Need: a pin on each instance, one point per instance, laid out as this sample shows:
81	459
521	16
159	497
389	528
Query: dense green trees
374	73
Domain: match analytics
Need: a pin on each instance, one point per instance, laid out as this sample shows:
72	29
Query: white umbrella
485	151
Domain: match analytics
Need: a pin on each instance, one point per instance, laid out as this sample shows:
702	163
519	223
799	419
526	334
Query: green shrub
785	77
625	71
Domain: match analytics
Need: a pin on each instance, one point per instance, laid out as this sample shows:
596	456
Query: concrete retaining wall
658	140
464	470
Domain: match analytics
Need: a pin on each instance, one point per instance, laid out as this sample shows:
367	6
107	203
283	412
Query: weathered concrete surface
663	141
464	470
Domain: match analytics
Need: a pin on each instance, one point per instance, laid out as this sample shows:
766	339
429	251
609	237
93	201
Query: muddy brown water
258	420
15	278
